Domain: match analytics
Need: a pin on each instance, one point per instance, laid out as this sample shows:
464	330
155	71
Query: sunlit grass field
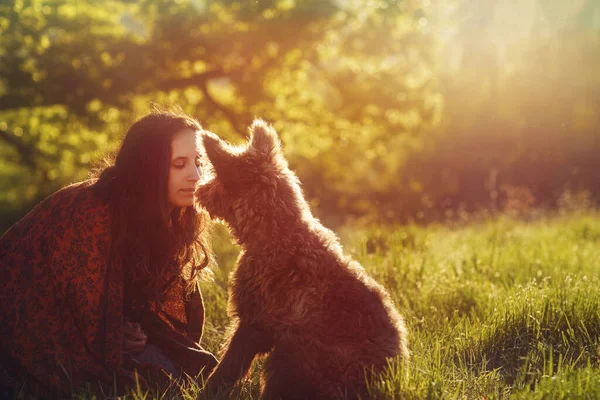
499	309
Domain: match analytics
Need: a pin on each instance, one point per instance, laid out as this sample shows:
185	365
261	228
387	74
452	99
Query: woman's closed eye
182	163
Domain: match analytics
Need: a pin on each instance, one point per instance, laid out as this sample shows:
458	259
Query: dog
294	295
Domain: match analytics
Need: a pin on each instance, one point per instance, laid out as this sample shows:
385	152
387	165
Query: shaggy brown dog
325	323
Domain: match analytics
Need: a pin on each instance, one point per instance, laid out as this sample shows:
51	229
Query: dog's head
252	188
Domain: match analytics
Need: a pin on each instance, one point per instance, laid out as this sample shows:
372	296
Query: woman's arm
194	312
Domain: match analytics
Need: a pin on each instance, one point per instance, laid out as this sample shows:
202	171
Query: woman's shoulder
80	200
76	205
80	196
73	190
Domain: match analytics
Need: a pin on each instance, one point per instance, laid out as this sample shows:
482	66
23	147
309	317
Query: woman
101	279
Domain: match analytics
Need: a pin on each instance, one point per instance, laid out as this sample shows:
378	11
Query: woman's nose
196	174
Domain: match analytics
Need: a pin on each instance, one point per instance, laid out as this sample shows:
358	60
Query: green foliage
74	75
402	110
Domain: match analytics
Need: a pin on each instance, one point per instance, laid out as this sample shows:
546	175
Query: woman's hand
134	338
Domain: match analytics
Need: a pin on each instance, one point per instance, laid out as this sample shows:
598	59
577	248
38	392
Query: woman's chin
182	203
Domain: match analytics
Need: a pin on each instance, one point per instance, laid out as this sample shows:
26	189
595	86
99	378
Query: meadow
500	309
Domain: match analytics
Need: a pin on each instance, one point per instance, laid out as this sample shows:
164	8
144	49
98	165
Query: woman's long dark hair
156	243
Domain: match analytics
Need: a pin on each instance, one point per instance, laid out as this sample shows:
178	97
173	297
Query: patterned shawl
61	300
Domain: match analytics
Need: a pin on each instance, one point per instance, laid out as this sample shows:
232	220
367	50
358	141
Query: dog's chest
257	287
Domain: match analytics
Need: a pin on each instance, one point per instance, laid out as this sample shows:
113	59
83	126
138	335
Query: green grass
496	310
502	309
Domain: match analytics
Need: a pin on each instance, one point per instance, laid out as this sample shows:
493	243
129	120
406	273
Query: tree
334	77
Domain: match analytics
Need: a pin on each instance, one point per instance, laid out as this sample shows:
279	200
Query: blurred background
389	110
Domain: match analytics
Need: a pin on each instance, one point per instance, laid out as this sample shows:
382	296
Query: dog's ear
218	154
263	138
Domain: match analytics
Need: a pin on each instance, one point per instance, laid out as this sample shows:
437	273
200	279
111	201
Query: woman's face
185	170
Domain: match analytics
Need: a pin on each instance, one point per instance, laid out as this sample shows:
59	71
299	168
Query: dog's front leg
246	342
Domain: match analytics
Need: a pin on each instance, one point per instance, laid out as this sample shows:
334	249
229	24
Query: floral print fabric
61	299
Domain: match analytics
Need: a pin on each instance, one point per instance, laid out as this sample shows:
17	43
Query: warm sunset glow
414	105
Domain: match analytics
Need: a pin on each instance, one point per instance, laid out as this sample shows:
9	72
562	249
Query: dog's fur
324	321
